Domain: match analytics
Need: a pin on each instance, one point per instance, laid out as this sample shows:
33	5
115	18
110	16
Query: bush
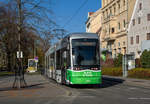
108	63
139	73
134	73
138	63
112	71
118	60
145	59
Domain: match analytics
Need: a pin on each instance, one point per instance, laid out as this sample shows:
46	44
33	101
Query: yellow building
116	17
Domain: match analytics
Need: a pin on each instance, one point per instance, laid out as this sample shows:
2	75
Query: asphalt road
45	91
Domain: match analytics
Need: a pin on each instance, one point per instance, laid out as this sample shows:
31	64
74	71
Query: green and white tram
75	60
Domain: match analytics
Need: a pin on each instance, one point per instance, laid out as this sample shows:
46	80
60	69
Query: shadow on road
29	87
106	82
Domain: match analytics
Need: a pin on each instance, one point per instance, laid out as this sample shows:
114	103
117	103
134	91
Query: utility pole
19	73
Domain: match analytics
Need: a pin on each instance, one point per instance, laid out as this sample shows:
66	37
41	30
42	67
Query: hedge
116	71
139	73
134	73
4	73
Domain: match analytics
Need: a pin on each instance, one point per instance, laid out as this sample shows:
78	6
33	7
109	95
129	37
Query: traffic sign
36	59
19	54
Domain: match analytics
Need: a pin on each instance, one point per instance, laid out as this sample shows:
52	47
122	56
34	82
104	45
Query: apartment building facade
116	17
94	22
139	28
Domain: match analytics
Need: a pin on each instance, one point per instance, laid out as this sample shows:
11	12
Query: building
139	28
116	17
94	22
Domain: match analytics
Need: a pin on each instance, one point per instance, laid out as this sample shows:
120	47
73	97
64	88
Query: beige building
94	22
116	17
111	23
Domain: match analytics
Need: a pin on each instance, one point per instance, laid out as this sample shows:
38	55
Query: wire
77	11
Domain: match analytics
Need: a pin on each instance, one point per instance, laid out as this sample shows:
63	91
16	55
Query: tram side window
49	61
65	60
46	62
68	59
52	61
58	60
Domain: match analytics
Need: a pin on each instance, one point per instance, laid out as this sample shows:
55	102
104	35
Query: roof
91	13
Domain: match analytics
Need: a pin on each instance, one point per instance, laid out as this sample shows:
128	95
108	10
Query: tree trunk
9	61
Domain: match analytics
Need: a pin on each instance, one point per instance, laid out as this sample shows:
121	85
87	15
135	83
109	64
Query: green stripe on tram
84	77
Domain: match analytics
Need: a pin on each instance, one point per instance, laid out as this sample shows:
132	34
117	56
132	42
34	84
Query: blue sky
65	9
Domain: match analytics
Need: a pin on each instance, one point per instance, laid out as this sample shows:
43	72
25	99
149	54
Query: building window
139	20
140	6
114	10
124	3
124	43
106	13
119	25
118	5
119	50
113	30
148	17
119	44
131	40
137	39
88	25
133	21
124	23
148	36
110	11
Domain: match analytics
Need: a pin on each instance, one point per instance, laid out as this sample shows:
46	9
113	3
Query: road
45	91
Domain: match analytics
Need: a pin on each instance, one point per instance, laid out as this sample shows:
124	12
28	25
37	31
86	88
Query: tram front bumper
85	80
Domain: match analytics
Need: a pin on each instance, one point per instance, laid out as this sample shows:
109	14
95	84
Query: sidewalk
38	87
129	81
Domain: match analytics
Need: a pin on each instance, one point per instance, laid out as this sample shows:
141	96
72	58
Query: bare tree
36	25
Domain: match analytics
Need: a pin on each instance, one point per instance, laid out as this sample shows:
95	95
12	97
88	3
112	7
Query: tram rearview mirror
65	54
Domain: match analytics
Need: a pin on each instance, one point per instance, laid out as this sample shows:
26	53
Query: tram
75	60
32	65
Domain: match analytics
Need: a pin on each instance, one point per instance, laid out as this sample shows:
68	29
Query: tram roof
83	35
59	44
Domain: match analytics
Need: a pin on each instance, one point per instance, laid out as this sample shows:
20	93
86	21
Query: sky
65	9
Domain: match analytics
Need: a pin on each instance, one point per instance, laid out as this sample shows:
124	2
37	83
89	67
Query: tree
145	59
37	25
118	60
